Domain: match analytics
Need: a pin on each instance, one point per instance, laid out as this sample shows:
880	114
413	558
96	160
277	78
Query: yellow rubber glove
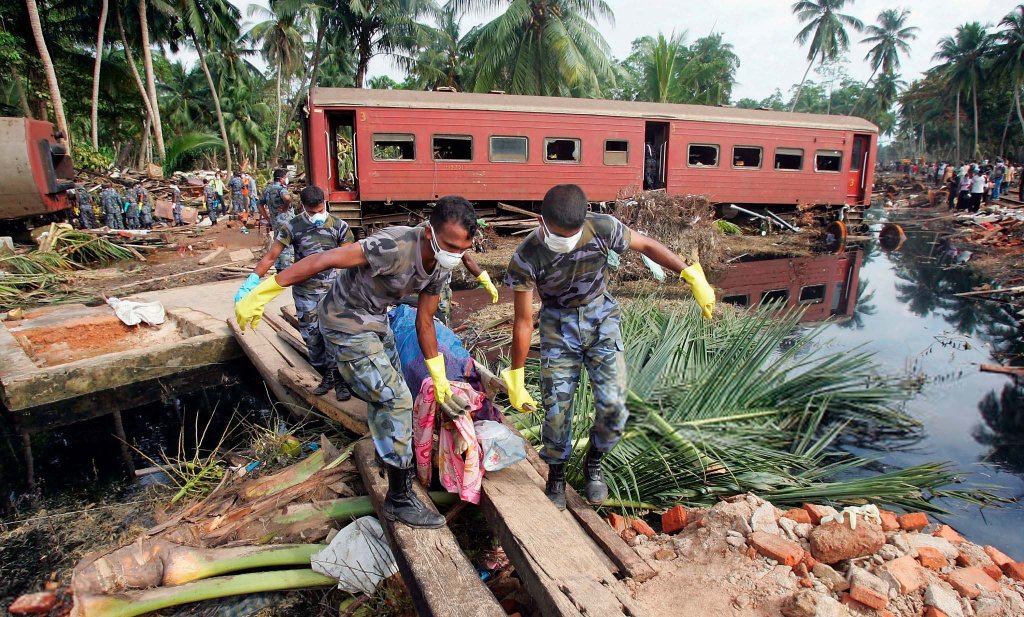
702	291
442	389
485	280
515	381
249	310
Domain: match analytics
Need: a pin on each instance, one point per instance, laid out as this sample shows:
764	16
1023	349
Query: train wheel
835	237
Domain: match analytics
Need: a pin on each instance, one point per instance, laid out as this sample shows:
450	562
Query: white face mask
560	244
317	219
445	259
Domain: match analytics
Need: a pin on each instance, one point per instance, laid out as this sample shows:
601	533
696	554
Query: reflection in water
1004	427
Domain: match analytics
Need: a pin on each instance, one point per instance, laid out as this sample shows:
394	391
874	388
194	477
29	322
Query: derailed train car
380	153
35	170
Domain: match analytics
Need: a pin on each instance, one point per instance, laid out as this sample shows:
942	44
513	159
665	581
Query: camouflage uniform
210	196
353	316
237	200
176	206
146	213
579	326
280	213
112	204
309	239
253	196
131	212
86	216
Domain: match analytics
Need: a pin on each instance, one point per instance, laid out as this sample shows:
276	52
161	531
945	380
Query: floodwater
904	311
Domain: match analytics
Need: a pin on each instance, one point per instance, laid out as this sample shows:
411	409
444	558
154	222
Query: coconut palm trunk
147	61
310	81
51	75
864	93
96	76
216	98
280	109
974	97
800	88
130	57
958	159
1020	116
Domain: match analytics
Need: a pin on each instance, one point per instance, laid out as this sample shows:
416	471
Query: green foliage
85	157
728	228
666	70
185	149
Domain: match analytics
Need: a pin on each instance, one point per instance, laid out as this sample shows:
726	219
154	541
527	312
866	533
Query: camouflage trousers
321	351
369	364
86	216
237	203
113	218
572	338
177	214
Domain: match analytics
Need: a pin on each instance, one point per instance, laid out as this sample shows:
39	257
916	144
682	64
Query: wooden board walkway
441	580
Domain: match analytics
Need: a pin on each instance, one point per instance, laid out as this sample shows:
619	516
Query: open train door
656	155
856	182
342	166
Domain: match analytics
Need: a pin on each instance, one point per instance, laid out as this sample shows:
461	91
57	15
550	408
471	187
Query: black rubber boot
555	489
597	490
341	391
326	384
403	505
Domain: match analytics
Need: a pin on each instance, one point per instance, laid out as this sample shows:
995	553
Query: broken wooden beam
214	255
1016	371
440	579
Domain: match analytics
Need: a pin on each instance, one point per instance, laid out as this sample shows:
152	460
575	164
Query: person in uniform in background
176	205
218	188
145	211
237	199
313	231
86	215
112	203
276	207
131	210
566	260
253	194
210	196
373	274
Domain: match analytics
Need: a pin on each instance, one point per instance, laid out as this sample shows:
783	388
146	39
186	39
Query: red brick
664	554
931	558
641	527
34	603
817	512
868	589
809	560
998	557
798	514
970	582
890	522
885	613
973	557
628	534
931	611
1014	570
782	550
914	521
617	522
948	533
806	582
674	520
907	573
993	571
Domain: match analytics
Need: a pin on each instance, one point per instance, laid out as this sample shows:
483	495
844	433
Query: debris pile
815	561
998	227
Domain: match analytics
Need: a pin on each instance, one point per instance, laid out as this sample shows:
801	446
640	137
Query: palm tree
445	54
962	56
826	30
147	62
283	47
1008	54
887	90
382	27
660	59
890	37
133	68
713	66
51	75
548	47
96	76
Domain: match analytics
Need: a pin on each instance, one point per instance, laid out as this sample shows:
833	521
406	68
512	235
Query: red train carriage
378	152
36	170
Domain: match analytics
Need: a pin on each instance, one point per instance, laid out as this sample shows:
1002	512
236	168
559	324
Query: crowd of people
972	183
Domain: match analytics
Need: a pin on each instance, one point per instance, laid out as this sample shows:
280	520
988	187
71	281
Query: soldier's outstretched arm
656	252
426	307
269	259
348	256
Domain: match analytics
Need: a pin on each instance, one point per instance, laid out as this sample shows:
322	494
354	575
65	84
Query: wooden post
122	437
26	451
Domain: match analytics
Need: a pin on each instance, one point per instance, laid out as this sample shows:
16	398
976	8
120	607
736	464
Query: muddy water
904	312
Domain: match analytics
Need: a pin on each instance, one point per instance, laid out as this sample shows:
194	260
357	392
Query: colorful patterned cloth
459	455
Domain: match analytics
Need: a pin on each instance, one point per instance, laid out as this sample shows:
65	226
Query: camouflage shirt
209	194
308	239
84	200
572	279
110	200
359	298
273	197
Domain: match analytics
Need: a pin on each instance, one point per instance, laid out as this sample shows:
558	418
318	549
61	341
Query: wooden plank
552	557
440	579
627	561
985	292
1017	371
268	360
351	413
212	256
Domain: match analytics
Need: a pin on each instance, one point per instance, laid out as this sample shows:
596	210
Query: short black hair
564	206
454	209
280	173
311	196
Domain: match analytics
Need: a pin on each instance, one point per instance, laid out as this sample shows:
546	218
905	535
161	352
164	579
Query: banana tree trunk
147	61
51	75
130	57
800	88
309	81
96	77
216	98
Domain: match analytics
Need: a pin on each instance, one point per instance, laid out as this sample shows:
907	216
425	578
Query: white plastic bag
501	447
131	313
358	557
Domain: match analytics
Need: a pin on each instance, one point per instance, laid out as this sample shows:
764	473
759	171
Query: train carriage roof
356	97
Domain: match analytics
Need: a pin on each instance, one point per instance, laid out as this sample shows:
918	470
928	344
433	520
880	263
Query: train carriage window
775	295
789	159
858	154
812	294
509	149
702	155
616	152
394	147
747	157
561	150
828	160
737	300
452	147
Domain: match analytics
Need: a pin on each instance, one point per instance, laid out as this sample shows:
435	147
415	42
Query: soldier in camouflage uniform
176	205
210	195
276	207
373	274
237	199
314	231
131	211
112	204
86	215
566	261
